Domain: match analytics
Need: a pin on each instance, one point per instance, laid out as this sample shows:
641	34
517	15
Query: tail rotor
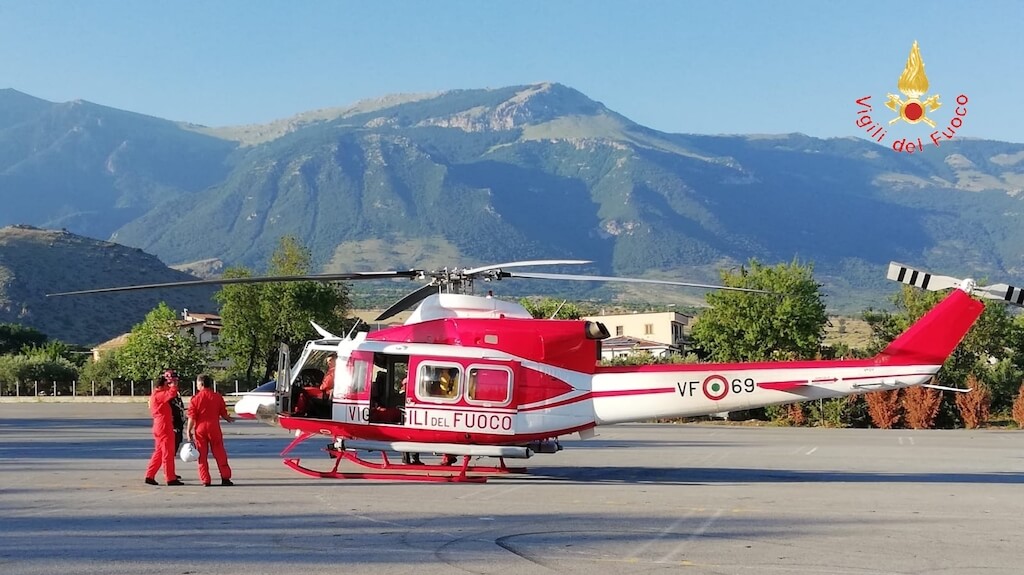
933	282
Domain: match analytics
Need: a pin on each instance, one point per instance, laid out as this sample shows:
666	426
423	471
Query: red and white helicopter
475	376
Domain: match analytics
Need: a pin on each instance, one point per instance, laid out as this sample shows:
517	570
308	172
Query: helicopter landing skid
396	471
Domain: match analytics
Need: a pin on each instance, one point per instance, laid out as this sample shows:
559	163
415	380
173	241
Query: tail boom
642	393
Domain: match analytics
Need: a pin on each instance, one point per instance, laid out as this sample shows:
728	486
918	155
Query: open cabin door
284	380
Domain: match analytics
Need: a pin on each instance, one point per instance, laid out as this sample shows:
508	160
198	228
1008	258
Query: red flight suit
163	432
310	393
206	409
327	384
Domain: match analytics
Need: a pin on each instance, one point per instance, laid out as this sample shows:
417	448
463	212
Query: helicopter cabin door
283	396
390	374
471	397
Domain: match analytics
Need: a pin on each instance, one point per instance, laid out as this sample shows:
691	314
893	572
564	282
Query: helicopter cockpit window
490	385
313	368
439	382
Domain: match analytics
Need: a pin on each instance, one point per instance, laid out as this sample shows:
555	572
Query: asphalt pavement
702	499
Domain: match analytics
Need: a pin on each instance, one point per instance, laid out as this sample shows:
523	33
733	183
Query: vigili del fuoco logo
915	109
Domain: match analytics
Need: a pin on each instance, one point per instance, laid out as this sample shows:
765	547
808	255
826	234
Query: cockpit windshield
314	368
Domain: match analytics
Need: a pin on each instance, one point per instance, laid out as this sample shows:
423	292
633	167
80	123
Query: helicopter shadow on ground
733	475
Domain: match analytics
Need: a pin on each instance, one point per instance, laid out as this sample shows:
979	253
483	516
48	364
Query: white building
659	333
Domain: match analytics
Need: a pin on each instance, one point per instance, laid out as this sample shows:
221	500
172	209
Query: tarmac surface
702	499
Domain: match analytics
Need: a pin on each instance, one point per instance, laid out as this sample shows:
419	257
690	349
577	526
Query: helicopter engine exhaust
596	330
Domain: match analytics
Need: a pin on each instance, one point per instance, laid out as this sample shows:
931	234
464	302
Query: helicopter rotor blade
918	278
410	299
524	264
1002	292
546	276
252	280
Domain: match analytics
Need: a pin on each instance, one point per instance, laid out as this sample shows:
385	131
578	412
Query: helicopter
470	376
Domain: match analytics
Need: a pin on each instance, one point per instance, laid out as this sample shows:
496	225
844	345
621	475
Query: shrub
921	407
795	414
834	412
884	408
1018	407
103	373
974	406
777	414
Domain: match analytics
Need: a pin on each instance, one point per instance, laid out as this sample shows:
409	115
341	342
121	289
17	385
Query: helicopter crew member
327	385
163	429
309	396
177	416
205	411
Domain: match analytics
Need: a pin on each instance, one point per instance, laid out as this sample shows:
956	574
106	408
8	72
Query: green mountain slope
34	262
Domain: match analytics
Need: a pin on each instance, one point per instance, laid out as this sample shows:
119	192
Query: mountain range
468	177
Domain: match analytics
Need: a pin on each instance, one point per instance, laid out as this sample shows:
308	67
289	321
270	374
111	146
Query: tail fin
934	337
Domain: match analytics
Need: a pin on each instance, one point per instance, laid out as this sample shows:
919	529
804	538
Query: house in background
660	333
625	346
204	327
109	345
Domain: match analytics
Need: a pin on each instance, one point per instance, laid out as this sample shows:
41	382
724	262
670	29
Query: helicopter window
439	382
490	385
359	369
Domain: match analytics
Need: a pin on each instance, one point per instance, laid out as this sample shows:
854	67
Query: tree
257	316
740	326
14	337
548	308
921	406
975	405
157	344
884	408
1018	407
104	371
245	334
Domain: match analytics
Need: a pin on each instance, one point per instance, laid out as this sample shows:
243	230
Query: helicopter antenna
354	325
558	309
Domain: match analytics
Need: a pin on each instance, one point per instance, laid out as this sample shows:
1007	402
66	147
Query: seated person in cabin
380	410
313	397
449	383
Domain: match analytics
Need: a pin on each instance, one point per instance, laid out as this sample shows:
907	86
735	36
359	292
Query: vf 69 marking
716	387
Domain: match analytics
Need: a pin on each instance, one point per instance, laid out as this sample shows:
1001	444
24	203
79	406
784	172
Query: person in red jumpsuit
163	429
310	394
205	411
327	384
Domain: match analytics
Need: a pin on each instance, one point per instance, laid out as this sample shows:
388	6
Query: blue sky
677	66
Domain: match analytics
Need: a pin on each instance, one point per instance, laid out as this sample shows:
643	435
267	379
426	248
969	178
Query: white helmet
188	452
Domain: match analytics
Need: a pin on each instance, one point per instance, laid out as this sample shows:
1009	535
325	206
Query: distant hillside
206	269
92	169
469	177
34	262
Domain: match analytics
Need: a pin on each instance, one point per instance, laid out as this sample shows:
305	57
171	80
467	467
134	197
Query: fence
114	388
